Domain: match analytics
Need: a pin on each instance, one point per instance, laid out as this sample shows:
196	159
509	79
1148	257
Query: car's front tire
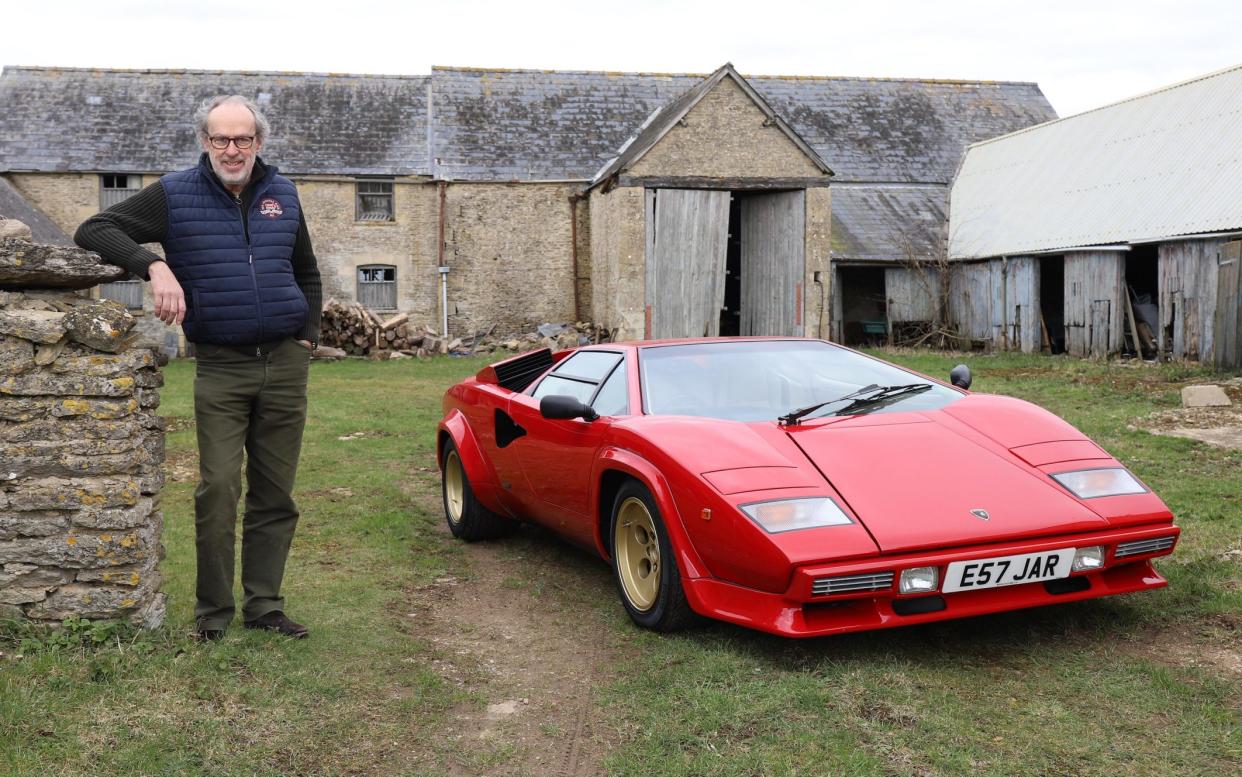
643	563
467	519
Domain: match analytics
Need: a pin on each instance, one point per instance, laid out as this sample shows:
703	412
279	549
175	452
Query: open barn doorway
1142	285
1052	302
864	305
764	264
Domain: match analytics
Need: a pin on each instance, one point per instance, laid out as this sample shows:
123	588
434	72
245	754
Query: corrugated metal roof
1164	164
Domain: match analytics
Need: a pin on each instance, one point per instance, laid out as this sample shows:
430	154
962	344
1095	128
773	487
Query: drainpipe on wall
443	268
574	199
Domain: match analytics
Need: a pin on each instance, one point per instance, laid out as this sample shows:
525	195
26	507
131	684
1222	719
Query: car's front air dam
799	613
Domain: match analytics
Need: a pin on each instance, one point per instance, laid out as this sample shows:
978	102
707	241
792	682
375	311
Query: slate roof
68	119
885	223
510	125
42	229
545	125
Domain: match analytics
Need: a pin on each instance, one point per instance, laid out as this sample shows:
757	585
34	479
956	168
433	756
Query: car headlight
790	514
919	580
1086	559
1090	483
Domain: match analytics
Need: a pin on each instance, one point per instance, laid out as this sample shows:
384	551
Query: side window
580	375
554	384
613	398
588	365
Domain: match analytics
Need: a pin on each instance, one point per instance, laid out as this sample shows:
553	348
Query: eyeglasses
222	142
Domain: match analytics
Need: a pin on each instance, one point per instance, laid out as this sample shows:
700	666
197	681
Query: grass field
1143	684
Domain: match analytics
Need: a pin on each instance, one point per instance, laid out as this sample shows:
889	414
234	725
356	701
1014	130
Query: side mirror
560	407
960	376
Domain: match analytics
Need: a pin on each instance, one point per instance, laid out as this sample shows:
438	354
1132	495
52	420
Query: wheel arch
479	471
615	467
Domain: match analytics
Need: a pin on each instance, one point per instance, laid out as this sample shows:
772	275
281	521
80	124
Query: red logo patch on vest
270	208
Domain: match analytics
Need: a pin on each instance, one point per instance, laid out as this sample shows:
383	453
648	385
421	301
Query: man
240	276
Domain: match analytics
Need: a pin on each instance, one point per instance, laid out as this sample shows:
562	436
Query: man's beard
239	178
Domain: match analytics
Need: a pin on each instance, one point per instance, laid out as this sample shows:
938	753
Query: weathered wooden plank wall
1187	282
686	266
970	300
913	294
1094	307
773	262
1022	304
997	302
1227	323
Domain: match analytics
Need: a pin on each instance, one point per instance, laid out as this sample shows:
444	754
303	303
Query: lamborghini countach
794	486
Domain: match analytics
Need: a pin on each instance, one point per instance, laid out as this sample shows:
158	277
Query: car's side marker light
706	513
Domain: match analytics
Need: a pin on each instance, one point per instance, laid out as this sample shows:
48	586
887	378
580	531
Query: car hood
924	480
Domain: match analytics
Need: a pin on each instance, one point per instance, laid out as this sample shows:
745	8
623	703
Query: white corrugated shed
1159	165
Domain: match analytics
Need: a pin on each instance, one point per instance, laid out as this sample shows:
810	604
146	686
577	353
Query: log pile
350	329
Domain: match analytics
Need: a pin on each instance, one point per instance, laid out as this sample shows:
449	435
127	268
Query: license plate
1007	570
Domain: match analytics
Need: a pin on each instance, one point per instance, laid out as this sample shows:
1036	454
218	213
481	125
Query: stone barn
1115	231
653	204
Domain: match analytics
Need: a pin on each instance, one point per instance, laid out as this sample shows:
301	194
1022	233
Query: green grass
1126	685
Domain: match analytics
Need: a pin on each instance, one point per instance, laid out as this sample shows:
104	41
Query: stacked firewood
357	331
350	329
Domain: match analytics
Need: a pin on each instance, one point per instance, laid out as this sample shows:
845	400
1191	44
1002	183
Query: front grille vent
1140	547
852	584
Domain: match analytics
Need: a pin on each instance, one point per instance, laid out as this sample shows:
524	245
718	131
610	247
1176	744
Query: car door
557	456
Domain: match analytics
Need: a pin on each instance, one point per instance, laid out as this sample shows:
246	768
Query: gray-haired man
240	276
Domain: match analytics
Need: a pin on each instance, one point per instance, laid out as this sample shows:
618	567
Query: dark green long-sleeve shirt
116	234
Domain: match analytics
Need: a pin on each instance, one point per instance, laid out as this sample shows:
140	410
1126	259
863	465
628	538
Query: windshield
758	380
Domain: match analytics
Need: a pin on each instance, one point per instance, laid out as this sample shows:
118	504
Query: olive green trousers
253	404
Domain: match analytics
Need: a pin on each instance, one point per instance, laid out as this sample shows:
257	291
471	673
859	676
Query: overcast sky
1083	54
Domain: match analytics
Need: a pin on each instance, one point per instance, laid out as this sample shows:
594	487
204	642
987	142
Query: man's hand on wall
169	298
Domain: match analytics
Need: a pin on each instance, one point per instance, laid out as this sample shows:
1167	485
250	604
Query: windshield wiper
792	418
864	396
888	394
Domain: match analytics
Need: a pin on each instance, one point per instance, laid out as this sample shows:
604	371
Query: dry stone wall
81	446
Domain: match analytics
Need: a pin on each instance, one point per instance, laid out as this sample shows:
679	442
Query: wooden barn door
1227	343
1094	283
687	241
773	242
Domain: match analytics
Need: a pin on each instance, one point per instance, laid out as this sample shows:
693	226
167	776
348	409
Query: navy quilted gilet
238	291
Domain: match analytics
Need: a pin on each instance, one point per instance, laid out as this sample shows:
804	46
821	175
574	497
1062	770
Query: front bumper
799	612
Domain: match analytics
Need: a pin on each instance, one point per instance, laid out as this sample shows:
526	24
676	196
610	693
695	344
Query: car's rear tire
467	519
643	563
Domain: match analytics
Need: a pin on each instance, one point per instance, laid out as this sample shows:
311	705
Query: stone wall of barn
818	296
81	446
408	243
618	260
510	251
726	136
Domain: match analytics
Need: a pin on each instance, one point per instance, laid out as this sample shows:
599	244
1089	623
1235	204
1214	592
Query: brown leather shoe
278	622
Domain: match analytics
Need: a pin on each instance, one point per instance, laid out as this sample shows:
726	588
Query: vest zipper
254	280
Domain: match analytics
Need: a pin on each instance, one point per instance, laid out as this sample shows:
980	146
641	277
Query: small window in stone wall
373	201
377	286
114	188
128	293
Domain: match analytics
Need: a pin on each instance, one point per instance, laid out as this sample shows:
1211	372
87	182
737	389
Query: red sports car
794	486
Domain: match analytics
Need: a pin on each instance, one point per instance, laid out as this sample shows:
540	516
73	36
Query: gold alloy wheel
637	548
454	487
